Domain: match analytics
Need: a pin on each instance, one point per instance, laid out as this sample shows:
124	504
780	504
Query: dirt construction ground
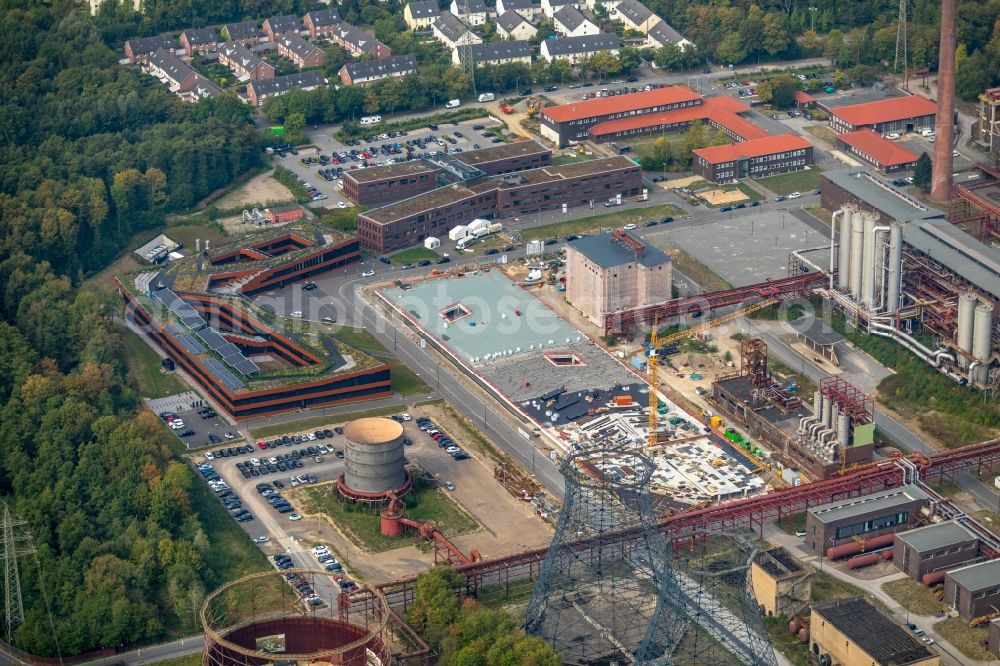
507	525
260	189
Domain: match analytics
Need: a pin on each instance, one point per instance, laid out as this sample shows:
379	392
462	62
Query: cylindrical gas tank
865	560
843	550
390	524
932	578
887	554
794	626
804	635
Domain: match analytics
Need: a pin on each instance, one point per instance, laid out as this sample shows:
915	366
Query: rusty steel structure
251	619
851	400
510	574
753	362
968	204
945	120
619	323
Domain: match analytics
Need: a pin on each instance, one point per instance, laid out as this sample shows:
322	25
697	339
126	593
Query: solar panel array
183	310
190	344
228	379
174	329
230	353
211	338
245	366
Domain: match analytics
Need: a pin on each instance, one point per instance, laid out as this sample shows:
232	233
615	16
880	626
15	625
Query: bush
291	181
354	130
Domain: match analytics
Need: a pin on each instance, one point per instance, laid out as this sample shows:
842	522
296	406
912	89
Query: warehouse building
408	222
780	584
895	114
933	548
852	632
572	122
611	272
756	158
873	515
973	590
872	148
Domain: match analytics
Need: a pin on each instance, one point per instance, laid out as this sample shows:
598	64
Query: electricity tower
901	39
16	543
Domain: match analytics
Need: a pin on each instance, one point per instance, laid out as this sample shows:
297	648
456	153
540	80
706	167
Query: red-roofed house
804	100
895	114
571	122
718	112
757	158
871	147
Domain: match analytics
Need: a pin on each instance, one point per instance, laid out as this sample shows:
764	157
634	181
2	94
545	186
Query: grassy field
425	502
792	524
570	158
696	270
314	422
914	596
989	519
786	642
821	214
806	180
822	132
603	221
968	640
413	255
144	366
404	380
829	588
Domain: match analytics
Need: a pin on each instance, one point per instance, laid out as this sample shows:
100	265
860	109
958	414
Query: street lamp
812	13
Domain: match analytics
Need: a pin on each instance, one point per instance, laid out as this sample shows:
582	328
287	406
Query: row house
277	27
260	91
243	63
179	76
357	42
421	14
321	23
302	53
570	22
139	49
366	71
245	32
525	8
635	15
576	49
511	25
550	7
472	12
493	53
662	34
453	33
199	40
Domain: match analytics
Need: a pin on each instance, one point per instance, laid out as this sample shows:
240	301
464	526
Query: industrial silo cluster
870	260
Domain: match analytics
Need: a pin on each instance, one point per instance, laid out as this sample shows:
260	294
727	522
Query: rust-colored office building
872	148
933	549
757	158
409	222
973	590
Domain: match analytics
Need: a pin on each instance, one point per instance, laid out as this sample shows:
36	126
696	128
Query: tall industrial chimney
945	124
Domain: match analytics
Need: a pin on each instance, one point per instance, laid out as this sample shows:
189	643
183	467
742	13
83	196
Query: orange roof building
756	158
720	112
571	122
871	147
895	114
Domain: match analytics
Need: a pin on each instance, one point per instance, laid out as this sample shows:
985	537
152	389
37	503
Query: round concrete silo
857	253
982	340
966	312
373	457
844	261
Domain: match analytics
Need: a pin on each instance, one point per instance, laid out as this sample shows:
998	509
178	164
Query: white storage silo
857	245
966	316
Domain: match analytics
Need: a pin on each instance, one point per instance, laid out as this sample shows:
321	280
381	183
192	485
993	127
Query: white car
261	539
177	424
255	462
292	480
794	195
311	436
405	417
629	227
892	136
954	153
341	204
296	315
368	273
449	485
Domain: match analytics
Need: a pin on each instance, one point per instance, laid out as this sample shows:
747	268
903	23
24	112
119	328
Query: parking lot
333	157
202	425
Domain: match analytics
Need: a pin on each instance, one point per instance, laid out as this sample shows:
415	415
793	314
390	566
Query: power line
16	543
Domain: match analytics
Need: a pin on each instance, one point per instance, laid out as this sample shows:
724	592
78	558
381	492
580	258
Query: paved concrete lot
327	144
748	247
181	405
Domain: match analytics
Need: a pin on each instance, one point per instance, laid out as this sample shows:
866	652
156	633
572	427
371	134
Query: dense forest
90	154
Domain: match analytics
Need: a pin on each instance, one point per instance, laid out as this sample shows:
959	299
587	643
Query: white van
371	120
452	103
487	97
927	132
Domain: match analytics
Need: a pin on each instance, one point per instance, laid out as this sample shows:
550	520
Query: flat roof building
719	112
872	148
572	121
852	632
408	222
756	158
895	114
881	513
973	590
934	548
780	584
610	272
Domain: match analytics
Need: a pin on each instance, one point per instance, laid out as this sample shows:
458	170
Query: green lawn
792	524
914	596
601	221
970	641
413	255
822	132
751	193
570	158
144	366
829	588
806	180
314	422
404	380
190	660
425	502
787	643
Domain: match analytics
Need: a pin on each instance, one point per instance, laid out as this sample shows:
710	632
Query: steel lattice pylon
599	600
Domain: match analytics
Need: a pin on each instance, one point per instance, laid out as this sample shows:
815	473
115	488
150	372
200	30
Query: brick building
933	548
606	273
302	53
571	122
756	158
887	512
366	71
872	148
243	63
138	50
245	32
321	23
179	76
895	114
259	91
718	112
277	27
973	590
408	222
199	40
358	42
